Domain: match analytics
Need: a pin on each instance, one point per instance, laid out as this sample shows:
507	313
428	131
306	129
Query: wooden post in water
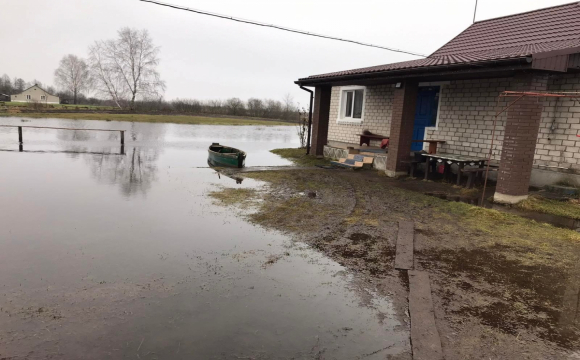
20	142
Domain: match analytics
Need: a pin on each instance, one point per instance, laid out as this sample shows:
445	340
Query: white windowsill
349	121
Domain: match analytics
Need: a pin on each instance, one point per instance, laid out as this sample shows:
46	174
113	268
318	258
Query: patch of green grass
298	156
233	196
567	209
175	119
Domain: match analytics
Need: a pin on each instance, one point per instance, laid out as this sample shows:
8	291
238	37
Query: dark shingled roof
507	37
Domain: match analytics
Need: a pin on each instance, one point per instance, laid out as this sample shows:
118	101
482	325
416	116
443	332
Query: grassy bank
298	156
499	280
569	208
174	119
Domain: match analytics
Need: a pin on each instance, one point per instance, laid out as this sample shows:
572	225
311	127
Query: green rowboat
220	155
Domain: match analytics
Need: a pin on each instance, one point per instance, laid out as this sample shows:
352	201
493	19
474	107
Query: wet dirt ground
504	287
108	256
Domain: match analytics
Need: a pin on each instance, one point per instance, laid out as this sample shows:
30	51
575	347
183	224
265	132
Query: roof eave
419	72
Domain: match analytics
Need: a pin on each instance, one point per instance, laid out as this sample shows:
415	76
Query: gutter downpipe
309	118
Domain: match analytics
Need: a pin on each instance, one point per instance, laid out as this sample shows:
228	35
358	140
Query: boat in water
219	155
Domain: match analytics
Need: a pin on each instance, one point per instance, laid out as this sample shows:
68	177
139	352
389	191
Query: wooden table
449	159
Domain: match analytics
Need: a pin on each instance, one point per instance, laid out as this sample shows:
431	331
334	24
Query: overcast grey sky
204	57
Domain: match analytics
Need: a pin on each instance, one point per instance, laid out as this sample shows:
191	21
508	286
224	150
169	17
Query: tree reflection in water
134	173
133	168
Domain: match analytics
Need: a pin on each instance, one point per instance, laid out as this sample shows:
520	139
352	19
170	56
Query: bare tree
235	106
73	75
107	80
255	107
19	84
6	85
126	68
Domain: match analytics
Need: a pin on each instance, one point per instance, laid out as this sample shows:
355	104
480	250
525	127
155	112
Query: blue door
425	113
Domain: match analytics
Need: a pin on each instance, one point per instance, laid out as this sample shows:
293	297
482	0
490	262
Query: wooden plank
404	253
425	339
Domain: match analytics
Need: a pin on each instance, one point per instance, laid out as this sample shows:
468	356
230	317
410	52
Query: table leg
432	148
480	175
460	167
427	168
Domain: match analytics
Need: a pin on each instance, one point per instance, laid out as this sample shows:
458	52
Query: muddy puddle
125	256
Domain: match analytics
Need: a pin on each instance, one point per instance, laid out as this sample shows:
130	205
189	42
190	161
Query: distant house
35	94
452	95
4	97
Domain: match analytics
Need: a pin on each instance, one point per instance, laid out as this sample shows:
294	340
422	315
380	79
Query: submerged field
504	287
110	254
174	119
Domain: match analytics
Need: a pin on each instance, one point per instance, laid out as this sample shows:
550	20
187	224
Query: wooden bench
474	174
366	138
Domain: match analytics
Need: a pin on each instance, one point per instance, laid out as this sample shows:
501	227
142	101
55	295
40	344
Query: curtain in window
358	104
348	107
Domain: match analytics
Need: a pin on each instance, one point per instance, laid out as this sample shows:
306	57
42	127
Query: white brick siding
466	113
558	146
377	115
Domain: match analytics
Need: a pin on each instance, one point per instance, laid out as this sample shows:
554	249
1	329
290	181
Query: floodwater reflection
133	173
157	270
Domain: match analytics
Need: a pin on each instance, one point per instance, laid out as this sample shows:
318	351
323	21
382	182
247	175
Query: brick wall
403	116
466	115
558	147
521	135
320	117
377	115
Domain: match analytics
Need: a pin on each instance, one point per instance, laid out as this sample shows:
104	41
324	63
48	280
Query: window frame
42	97
341	119
436	126
28	97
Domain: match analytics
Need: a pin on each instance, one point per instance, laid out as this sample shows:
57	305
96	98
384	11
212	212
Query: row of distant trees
284	109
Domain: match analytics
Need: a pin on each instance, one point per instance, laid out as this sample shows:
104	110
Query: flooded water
119	253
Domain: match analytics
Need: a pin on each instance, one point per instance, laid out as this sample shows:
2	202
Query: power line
251	22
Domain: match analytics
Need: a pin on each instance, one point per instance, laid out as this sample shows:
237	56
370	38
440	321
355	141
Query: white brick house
462	82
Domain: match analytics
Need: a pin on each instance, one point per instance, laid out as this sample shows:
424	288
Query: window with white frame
352	101
42	97
28	97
